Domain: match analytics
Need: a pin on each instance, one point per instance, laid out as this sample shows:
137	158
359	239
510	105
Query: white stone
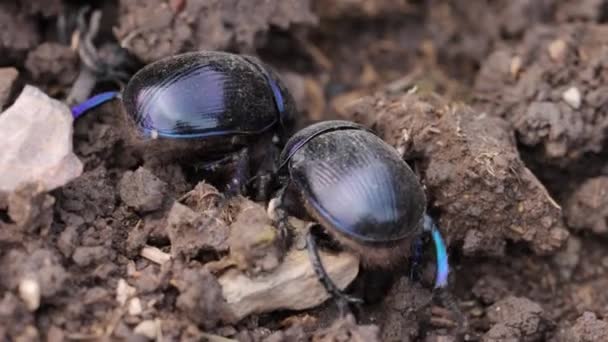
29	291
135	307
36	142
573	97
146	328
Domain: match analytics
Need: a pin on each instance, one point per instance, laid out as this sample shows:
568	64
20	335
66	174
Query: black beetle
216	106
360	190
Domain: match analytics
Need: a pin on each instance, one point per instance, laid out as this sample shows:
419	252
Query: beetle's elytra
355	182
203	94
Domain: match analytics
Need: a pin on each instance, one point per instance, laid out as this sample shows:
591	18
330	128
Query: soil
499	106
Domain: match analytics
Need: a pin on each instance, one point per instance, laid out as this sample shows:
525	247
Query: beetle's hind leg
443	268
313	253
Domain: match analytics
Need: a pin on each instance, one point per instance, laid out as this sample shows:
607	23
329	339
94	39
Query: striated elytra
203	94
354	181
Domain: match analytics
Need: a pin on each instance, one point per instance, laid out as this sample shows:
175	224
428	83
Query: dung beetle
214	106
361	192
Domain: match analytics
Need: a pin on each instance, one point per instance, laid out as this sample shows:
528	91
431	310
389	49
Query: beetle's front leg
277	207
313	253
240	175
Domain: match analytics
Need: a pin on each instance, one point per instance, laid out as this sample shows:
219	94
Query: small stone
124	291
29	291
516	64
86	256
573	97
557	50
135	307
146	328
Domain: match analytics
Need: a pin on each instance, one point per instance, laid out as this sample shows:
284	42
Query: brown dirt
501	150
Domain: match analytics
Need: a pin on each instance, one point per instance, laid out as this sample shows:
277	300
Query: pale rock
36	143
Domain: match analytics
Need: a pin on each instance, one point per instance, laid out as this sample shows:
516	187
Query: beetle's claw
448	301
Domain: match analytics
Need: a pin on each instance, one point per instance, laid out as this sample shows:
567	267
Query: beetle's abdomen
359	185
199	95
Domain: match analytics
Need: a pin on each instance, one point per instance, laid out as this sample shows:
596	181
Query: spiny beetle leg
441	254
93	102
443	270
313	253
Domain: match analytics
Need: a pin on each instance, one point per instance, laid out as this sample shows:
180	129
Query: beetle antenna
443	270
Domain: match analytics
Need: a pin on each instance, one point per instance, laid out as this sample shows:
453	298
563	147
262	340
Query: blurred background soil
501	105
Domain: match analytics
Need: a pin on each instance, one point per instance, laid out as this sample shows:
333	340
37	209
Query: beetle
361	193
214	106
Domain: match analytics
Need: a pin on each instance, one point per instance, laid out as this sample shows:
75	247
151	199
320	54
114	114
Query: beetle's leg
282	218
241	173
441	254
212	166
443	268
313	253
417	248
93	102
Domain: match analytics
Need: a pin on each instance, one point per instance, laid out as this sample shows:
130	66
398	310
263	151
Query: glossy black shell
205	94
355	182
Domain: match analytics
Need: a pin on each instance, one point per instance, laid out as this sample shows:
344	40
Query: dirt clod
254	243
587	209
42	266
472	169
201	299
53	64
142	190
152	30
191	232
587	328
346	329
556	103
521	314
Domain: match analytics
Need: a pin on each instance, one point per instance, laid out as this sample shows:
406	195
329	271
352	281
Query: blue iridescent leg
95	101
443	270
441	253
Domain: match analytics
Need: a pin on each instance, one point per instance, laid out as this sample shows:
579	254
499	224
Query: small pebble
29	291
124	291
573	97
147	329
557	50
516	64
135	307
